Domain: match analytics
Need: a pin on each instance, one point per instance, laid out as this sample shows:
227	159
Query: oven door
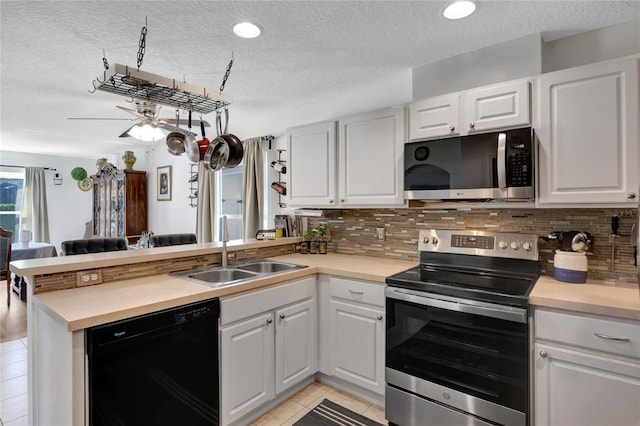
464	354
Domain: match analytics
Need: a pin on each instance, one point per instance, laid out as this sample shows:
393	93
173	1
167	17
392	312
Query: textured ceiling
310	51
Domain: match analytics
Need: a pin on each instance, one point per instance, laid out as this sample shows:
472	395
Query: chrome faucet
225	238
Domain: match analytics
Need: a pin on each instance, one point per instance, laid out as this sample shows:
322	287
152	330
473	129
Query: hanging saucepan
203	143
175	140
217	154
236	150
191	145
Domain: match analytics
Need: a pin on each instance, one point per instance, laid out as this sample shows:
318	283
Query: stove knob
503	244
434	241
425	240
515	245
527	246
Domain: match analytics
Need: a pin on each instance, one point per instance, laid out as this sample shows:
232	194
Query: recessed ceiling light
246	30
459	9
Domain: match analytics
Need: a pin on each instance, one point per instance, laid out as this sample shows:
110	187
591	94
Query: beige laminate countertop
592	297
89	306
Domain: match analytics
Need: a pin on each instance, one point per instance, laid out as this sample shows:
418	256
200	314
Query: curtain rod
24	167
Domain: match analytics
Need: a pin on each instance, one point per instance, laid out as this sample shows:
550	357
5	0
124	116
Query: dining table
24	251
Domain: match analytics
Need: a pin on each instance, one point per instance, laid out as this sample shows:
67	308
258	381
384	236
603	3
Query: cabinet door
246	373
492	107
358	345
371	148
434	117
588	132
311	167
573	388
296	344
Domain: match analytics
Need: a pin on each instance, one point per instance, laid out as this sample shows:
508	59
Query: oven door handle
459	305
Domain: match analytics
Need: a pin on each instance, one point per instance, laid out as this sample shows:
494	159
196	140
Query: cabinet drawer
257	302
589	332
357	291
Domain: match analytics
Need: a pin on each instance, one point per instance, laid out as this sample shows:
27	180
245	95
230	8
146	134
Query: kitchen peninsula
137	282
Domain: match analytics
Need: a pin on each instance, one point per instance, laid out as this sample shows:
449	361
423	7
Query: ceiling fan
148	123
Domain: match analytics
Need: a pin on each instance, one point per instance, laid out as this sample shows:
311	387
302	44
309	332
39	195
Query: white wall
69	207
593	46
175	216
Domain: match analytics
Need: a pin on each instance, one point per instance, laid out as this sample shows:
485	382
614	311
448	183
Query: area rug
13	319
328	413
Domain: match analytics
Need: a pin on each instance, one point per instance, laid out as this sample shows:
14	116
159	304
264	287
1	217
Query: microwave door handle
502	160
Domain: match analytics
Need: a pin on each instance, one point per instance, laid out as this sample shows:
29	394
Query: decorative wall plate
85	184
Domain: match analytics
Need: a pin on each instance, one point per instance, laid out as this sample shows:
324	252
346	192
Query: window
11	185
231	197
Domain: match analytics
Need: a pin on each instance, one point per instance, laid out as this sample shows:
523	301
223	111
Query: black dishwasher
156	369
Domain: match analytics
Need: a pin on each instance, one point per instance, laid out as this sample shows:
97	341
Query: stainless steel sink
267	266
223	276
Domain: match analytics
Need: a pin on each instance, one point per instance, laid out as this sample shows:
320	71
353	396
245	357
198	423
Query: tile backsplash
354	232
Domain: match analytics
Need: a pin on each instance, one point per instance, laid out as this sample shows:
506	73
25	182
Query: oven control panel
480	243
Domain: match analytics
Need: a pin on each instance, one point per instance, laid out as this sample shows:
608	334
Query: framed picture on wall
163	189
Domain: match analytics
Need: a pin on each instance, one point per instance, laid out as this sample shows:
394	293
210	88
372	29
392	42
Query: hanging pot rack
135	84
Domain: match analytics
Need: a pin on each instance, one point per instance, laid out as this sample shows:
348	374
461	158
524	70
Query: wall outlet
380	233
91	277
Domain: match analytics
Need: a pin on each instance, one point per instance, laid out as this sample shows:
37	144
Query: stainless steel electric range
456	331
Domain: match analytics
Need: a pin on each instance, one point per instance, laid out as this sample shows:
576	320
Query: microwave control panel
519	158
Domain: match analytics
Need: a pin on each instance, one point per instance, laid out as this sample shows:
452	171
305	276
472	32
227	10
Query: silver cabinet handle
282	316
472	125
452	128
355	292
631	195
543	354
269	321
379	317
617	339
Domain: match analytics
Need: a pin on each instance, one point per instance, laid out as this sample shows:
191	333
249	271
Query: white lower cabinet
268	344
352	332
586	370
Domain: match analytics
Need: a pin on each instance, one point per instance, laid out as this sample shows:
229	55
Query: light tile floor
13	394
13	382
294	408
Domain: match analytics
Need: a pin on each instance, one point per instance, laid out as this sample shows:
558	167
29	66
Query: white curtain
206	210
35	216
253	203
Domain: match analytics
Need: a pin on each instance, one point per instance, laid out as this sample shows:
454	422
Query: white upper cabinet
485	108
434	117
362	167
311	166
493	107
588	135
371	148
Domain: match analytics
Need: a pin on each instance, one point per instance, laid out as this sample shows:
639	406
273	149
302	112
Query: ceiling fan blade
101	118
131	111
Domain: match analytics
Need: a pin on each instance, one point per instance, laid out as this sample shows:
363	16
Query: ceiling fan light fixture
146	132
459	9
246	30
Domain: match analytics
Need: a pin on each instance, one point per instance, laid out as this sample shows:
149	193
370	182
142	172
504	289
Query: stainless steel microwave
476	167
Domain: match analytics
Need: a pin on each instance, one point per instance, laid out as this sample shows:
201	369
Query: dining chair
172	240
93	245
5	257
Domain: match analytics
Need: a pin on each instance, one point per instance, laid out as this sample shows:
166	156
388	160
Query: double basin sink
223	276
